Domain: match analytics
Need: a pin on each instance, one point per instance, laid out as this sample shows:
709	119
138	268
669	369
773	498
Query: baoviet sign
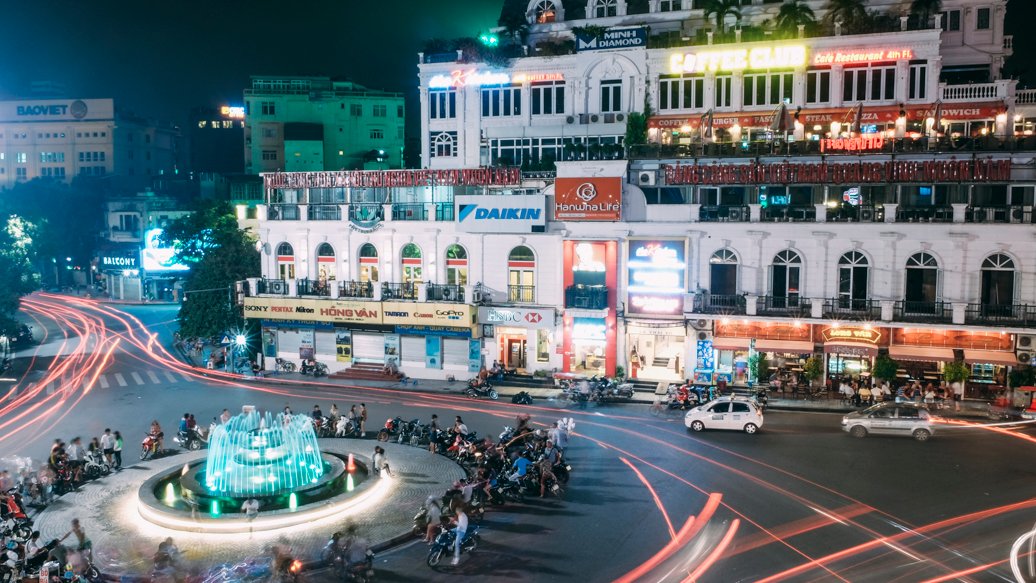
851	334
588	199
893	171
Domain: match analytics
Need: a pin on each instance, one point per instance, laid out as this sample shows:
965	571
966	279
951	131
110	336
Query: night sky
163	58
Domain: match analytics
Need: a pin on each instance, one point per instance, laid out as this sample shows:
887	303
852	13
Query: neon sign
858	144
869	56
589	329
739	59
232	112
656	277
656	304
472	77
534	77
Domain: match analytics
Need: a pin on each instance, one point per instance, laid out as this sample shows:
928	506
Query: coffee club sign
987	170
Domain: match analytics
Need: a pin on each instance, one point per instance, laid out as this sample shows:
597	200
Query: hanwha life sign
588	199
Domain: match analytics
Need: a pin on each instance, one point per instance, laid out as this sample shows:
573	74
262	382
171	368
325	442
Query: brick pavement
123	543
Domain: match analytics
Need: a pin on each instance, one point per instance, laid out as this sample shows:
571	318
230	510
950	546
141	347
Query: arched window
368	263
456	265
285	261
443	145
785	274
605	8
723	273
545	12
852	281
412	264
922	284
521	275
998	281
325	262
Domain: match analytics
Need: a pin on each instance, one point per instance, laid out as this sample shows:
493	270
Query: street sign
225	340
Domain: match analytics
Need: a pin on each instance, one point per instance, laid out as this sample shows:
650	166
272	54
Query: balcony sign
782	57
495	176
868	143
861	56
469	78
981	170
500	214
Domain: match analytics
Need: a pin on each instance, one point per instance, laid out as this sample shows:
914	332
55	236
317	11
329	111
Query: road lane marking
186	378
137	378
121	380
169	376
154	378
103	380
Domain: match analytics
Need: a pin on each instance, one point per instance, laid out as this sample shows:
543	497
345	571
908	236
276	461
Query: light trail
654	495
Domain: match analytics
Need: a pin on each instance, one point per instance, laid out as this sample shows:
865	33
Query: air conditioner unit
1021	214
1024	357
620	117
867	214
609	118
584	118
980	215
278	286
736	214
647	178
701	324
570	120
703	335
447	293
1025	342
595	118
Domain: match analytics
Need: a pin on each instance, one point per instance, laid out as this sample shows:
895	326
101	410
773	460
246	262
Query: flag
705	125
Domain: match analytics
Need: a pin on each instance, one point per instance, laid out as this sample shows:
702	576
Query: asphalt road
800	501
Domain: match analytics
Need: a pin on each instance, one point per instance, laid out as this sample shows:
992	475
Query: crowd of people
864	392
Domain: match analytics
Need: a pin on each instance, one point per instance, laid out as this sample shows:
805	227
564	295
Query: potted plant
620	373
760	367
885	369
812	369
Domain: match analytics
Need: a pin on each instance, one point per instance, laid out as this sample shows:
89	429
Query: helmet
11	545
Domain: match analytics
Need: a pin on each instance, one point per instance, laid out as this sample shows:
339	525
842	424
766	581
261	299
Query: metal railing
936	312
998	214
852	309
282	212
790	306
309	287
356	289
444	293
590	297
272	286
444	211
409	212
797	213
1013	314
324	212
924	214
521	293
398	291
736	213
722	304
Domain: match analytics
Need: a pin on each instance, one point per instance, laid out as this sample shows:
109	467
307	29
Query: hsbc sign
535	318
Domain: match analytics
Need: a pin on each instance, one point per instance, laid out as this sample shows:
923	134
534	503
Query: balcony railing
722	304
366	212
590	297
443	211
852	309
798	213
409	212
1008	41
1025	96
1015	314
790	306
924	214
309	287
935	312
974	91
724	213
356	289
999	214
398	291
272	286
521	293
283	212
445	293
324	212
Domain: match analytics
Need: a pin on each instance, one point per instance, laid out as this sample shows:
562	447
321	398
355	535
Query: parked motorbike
443	544
522	398
318	369
149	446
391	429
478	389
189	440
95	466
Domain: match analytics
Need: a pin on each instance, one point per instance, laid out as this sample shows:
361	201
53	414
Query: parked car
730	412
909	419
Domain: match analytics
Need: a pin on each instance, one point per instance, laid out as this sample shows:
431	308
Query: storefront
590	280
588	339
657	350
655	330
119	273
519	338
850	350
785	345
921	353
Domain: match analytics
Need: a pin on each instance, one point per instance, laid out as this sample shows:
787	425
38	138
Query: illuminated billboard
158	258
657	273
758	58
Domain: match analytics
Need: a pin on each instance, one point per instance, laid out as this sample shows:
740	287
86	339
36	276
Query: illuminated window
201	124
503	101
444	144
545	12
456	265
818	86
521	275
611	96
606	8
442	103
325	262
21	157
548	97
412	264
285	261
380	110
767	89
681	92
368	263
52	157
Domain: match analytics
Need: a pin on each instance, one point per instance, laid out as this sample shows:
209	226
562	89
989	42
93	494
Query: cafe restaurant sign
851	334
987	170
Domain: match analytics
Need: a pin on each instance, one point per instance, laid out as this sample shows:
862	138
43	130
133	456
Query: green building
316	123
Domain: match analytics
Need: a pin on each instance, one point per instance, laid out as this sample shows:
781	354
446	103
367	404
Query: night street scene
618	291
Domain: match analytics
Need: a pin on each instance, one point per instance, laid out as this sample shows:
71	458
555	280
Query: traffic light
489	39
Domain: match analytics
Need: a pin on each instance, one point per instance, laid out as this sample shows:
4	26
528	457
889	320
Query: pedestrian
224	417
250	508
117	451
433	434
958	394
333	412
462	528
107	445
434	516
380	461
83	544
363	420
354	417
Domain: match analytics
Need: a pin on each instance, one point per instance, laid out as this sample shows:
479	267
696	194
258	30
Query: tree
812	369
792	14
19	277
851	13
720	9
513	19
885	368
923	10
956	372
219	254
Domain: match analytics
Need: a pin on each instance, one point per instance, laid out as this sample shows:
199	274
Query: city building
821	195
65	138
317	123
216	138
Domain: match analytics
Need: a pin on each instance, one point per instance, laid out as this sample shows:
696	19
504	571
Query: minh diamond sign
622	38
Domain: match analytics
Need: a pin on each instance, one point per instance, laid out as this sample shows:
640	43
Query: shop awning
784	346
851	349
921	353
720	343
990	357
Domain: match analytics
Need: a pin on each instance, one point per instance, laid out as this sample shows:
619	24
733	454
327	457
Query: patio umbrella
938	117
781	120
705	125
857	119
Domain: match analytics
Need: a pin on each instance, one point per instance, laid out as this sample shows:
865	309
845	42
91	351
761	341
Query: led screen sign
867	143
987	170
853	57
656	276
159	258
232	112
783	57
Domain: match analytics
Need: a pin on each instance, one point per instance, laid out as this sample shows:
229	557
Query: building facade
65	138
834	197
317	123
216	137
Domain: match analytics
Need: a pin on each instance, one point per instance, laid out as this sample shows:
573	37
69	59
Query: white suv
737	413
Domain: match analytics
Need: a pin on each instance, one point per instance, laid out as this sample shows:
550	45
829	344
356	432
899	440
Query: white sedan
735	413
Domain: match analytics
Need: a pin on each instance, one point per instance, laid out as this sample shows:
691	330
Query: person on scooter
461	519
356	548
520	466
308	365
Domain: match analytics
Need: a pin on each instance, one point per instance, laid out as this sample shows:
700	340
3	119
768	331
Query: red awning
990	357
730	343
921	353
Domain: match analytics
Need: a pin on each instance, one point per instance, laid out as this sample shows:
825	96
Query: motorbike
484	389
318	369
522	398
443	544
189	440
392	428
322	427
95	466
410	432
363	571
282	365
149	446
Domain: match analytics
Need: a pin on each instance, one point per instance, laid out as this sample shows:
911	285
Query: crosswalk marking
121	380
137	378
186	378
169	376
154	378
103	380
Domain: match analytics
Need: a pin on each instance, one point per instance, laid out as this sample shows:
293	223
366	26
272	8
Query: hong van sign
500	213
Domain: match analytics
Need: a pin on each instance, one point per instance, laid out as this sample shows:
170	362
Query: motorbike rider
459	427
356	548
76	458
461	519
183	424
156	434
308	365
318	415
520	466
434	516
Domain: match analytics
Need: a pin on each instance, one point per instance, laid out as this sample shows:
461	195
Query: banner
427	314
588	199
337	311
307	344
621	38
433	351
982	170
392	350
474	356
500	214
270	343
344	345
